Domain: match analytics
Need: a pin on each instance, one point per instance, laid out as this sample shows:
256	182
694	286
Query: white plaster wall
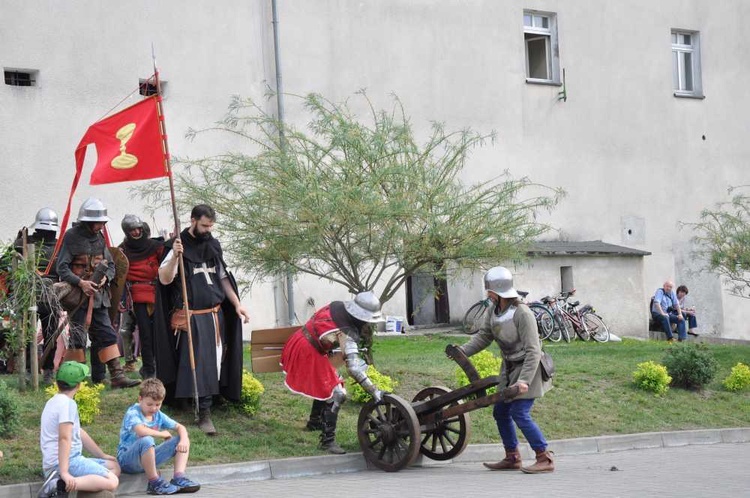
618	145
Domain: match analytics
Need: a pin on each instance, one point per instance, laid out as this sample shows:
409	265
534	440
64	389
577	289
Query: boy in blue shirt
62	441
138	452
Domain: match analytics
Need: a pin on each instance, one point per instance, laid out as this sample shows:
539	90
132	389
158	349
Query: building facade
635	108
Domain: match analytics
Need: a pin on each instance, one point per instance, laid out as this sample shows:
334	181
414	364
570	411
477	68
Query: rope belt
313	342
215	312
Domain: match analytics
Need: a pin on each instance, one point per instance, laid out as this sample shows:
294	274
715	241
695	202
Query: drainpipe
282	141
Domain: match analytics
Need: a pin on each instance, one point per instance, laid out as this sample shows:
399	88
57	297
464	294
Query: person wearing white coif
304	360
513	327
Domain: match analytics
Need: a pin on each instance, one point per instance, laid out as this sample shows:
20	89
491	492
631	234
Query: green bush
10	418
486	363
251	392
691	366
88	398
650	376
383	382
738	379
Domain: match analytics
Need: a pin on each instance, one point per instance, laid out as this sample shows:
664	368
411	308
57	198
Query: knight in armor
309	372
215	320
44	238
512	325
144	256
84	248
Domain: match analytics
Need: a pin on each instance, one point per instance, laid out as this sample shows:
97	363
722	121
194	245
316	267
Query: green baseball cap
72	373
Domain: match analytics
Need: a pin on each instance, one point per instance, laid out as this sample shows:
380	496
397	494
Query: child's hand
165	434
70	481
183	446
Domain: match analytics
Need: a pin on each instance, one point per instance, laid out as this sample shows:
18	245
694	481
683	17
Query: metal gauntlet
357	368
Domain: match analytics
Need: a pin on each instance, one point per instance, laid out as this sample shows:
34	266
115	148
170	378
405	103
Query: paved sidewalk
718	470
658	459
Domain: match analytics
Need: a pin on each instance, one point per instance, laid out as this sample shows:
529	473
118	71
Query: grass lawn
593	395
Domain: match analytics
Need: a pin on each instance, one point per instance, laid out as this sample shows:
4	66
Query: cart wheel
388	433
446	438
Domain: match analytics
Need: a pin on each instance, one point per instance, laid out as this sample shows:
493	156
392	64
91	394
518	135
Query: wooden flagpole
167	165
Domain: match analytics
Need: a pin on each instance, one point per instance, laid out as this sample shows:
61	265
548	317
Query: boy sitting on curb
138	452
62	441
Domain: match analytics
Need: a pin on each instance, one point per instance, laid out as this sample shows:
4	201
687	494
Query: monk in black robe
215	320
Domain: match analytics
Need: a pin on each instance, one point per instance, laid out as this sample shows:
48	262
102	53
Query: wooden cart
436	423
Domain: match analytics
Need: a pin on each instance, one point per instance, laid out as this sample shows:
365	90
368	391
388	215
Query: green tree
356	202
723	238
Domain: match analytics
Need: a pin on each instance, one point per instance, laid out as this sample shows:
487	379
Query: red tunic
307	371
142	274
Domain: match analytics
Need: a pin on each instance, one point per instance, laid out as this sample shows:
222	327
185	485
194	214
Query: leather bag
547	366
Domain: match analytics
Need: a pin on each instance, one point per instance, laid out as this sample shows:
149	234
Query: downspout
282	142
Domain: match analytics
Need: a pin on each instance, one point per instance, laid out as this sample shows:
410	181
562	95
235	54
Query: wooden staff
167	165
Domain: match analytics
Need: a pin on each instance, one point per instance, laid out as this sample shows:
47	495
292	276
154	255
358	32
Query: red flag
128	144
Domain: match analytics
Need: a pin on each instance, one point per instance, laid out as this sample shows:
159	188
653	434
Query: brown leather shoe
544	463
512	461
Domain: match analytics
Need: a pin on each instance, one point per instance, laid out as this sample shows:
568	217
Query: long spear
167	164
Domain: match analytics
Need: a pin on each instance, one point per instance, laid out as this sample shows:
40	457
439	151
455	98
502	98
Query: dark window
147	88
19	78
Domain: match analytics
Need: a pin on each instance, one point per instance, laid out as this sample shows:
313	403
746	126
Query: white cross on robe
205	270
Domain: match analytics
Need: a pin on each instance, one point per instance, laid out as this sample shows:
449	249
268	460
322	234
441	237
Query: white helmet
500	281
365	307
46	219
93	209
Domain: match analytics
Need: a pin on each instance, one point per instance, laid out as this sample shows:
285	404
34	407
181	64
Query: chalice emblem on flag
124	160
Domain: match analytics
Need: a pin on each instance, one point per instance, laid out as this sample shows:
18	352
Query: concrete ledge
626	442
709	436
288	468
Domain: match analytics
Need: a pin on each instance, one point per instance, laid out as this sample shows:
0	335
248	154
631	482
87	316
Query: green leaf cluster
381	381
738	379
252	389
652	377
486	363
691	366
723	237
10	417
356	200
88	398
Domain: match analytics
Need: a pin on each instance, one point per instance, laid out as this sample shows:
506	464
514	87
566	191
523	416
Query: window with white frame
540	43
686	64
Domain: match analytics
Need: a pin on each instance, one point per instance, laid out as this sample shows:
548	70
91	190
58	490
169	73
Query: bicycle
562	326
584	322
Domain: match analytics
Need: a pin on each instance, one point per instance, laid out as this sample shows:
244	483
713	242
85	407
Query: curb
289	468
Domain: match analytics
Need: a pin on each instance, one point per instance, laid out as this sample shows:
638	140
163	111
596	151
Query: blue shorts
80	466
130	459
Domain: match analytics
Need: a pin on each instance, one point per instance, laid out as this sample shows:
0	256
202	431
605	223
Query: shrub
383	382
650	376
10	418
486	363
738	379
87	398
251	392
691	366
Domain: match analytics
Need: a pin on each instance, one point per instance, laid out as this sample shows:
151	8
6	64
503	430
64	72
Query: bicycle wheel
565	328
474	318
598	330
544	320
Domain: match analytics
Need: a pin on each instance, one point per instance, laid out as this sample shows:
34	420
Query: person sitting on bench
666	310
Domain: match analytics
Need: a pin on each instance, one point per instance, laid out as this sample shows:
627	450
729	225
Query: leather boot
512	461
315	422
328	435
205	423
117	378
544	463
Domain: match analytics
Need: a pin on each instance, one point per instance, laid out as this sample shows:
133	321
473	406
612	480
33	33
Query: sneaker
53	487
185	485
161	487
